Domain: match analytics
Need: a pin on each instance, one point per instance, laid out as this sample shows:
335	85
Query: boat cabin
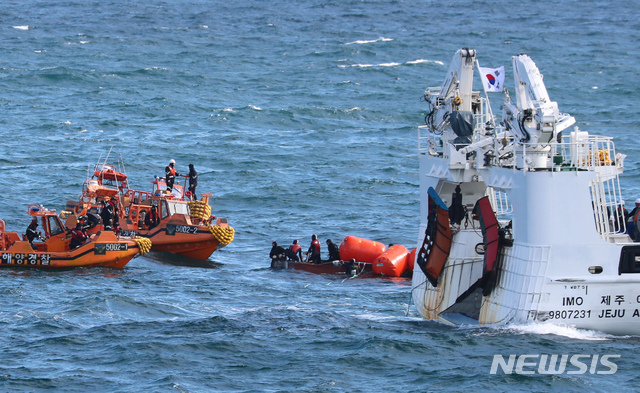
49	224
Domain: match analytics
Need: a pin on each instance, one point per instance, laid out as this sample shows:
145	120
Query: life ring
457	100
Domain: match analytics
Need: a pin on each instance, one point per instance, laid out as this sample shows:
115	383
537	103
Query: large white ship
520	216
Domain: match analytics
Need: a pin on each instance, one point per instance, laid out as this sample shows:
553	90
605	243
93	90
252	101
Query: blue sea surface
301	117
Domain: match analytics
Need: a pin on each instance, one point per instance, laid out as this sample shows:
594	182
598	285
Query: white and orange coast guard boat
171	221
53	249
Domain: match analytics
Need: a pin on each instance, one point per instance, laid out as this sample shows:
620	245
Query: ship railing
580	151
608	210
428	142
484	121
575	152
584	151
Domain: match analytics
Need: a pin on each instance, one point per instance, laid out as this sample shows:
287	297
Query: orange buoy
362	250
411	258
392	262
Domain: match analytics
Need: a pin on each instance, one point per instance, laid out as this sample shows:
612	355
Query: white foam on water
363	42
423	61
559	330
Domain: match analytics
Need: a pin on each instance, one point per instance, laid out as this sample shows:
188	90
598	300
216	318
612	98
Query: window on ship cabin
54	226
164	211
180	208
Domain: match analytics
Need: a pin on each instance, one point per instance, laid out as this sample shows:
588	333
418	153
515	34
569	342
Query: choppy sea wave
301	118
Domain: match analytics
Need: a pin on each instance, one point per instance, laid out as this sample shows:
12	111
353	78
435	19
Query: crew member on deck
334	251
116	214
32	231
107	215
631	225
633	212
294	252
170	174
620	217
277	252
193	182
314	250
456	210
77	236
151	219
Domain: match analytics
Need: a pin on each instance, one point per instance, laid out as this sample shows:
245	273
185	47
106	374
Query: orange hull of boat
104	250
392	262
362	250
179	235
194	250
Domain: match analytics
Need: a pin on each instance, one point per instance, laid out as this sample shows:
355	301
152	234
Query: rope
199	209
224	235
144	244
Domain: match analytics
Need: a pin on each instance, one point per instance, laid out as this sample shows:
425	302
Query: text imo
555	364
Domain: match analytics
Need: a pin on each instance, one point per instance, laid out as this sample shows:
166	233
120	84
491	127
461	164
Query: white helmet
172	161
638	201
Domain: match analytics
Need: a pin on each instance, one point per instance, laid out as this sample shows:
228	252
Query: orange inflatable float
392	262
362	250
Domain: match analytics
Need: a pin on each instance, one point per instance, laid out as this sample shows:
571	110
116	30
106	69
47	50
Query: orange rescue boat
53	248
171	220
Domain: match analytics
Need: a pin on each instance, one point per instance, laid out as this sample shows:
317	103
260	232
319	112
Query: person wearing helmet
635	209
170	174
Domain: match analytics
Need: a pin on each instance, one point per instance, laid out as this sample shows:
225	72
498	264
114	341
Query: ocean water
301	117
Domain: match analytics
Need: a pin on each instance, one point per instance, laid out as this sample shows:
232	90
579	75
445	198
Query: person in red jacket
314	250
77	236
294	252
